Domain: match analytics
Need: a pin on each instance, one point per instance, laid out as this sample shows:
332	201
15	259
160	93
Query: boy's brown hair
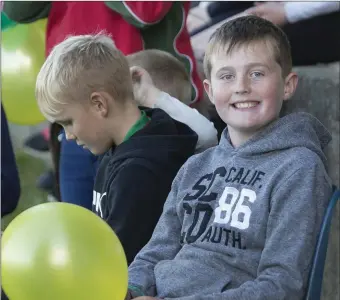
167	72
245	30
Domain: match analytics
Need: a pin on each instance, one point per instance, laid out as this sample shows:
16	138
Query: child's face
247	87
83	124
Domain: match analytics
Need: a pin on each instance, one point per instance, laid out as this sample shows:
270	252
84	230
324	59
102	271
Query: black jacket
134	179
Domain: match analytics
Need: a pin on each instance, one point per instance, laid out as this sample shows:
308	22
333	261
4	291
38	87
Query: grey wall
318	93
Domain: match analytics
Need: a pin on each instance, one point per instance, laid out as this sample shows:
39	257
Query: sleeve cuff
298	11
135	291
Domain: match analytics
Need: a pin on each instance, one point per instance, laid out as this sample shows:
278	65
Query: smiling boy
242	218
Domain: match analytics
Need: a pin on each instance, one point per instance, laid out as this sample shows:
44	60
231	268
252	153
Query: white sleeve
297	11
207	133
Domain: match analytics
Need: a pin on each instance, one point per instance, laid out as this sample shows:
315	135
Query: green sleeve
26	11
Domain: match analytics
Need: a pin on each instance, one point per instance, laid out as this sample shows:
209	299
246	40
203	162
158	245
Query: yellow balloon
22	55
60	251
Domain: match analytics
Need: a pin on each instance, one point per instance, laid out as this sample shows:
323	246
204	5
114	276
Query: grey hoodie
241	223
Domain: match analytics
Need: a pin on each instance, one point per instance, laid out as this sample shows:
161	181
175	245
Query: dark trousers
316	40
10	184
221	10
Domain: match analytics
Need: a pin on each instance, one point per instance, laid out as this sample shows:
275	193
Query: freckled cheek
221	95
271	100
271	93
269	89
221	101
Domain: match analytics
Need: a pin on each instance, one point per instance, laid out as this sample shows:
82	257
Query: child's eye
256	74
227	77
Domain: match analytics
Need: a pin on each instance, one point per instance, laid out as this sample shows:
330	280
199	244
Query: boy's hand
128	296
146	298
144	90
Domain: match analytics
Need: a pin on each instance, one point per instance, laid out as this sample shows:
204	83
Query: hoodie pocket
179	278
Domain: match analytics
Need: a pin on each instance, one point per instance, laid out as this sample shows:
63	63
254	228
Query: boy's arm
141	13
147	94
163	245
296	213
26	11
207	133
298	11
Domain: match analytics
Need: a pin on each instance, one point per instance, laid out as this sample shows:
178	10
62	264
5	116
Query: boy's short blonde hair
245	30
79	66
167	72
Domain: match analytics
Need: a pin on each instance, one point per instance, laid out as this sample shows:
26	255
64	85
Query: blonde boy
85	85
242	218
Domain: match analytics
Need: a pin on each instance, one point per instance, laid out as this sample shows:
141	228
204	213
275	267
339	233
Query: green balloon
6	22
22	55
60	251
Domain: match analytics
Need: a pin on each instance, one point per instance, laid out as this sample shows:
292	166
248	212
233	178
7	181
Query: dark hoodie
134	179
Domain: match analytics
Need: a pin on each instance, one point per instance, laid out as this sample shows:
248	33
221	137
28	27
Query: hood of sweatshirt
292	131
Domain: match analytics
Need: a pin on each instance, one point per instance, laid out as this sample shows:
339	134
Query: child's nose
242	86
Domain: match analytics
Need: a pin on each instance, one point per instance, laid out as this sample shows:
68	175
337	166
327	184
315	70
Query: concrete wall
319	94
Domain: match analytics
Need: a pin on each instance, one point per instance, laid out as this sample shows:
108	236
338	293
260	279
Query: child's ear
291	82
208	90
100	103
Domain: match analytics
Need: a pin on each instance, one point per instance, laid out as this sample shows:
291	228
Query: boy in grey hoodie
242	218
